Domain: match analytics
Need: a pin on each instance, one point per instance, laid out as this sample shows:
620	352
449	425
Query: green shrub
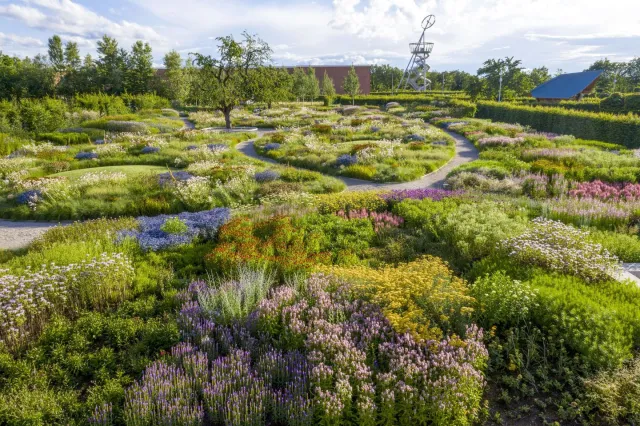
616	394
230	300
619	129
103	103
174	226
502	301
475	230
613	104
69	138
589	322
346	201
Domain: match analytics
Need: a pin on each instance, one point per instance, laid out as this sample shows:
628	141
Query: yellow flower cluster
423	298
354	200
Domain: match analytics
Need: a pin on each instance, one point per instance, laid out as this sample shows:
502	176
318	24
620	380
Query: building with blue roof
572	86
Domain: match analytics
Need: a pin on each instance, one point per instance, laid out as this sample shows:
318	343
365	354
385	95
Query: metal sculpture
415	75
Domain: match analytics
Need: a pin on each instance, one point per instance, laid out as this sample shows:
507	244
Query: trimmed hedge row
382	100
619	129
618	103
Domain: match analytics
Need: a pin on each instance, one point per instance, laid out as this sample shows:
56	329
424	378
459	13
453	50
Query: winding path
15	235
465	152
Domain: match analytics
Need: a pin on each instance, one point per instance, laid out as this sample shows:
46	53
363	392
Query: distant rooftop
567	86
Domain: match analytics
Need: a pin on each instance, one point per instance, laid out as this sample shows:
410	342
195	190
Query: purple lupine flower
266	176
86	156
346	160
149	150
201	224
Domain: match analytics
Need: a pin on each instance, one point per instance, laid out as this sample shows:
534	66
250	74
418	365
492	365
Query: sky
559	34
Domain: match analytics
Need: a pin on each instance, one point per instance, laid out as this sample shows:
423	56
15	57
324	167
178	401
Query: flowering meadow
216	289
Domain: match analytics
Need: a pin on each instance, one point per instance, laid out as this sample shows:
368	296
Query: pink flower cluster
380	220
606	191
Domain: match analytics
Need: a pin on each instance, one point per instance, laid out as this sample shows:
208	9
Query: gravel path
465	152
15	235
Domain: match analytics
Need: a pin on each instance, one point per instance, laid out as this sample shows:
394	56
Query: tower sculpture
415	75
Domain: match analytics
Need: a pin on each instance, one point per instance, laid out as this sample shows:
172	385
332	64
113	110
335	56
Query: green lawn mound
128	170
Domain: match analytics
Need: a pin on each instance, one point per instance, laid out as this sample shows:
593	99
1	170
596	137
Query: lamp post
500	89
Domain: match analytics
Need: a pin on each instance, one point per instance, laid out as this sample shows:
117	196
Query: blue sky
567	35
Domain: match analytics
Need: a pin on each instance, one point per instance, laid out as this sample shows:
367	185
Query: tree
56	55
312	84
613	79
510	70
476	88
633	72
72	59
327	89
351	84
271	84
228	79
539	76
139	71
385	78
175	81
300	86
111	65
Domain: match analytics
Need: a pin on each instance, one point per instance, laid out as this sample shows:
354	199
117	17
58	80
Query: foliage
351	84
274	244
475	230
501	301
616	393
231	300
422	298
227	80
347	201
558	247
623	130
337	362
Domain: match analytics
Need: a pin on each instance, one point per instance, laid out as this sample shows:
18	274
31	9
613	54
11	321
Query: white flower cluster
96	178
195	193
203	167
47	147
563	248
10	165
25	297
109	150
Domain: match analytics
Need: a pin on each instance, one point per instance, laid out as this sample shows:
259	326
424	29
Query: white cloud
16	40
68	18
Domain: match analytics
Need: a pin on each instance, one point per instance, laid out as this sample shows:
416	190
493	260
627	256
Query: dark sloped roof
566	86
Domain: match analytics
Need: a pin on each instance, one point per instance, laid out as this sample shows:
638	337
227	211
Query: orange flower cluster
273	243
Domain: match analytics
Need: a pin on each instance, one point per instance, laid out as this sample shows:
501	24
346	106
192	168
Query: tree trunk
227	118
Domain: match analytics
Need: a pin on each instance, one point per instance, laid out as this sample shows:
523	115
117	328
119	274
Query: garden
219	277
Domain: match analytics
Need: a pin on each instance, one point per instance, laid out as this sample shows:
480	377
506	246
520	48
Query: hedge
58	138
403	99
619	129
617	103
